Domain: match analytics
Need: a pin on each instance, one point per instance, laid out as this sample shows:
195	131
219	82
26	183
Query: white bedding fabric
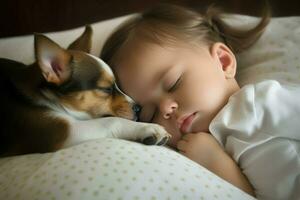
259	127
111	169
116	169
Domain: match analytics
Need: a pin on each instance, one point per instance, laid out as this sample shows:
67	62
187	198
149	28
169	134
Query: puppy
66	97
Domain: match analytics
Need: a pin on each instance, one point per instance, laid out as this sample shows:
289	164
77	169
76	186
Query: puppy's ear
52	60
83	42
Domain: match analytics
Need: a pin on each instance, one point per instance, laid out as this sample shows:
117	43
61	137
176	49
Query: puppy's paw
155	134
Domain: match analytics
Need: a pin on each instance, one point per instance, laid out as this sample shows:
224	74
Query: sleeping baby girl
180	66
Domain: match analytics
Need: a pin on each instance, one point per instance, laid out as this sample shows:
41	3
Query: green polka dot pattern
110	169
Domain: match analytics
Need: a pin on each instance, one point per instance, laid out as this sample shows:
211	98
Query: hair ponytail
234	37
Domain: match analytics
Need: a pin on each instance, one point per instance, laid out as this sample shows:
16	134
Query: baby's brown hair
170	23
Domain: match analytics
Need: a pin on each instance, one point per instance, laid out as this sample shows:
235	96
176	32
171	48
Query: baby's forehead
155	37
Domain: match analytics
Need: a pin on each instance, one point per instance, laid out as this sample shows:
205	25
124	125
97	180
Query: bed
113	169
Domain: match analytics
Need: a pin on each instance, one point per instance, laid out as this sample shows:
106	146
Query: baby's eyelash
175	85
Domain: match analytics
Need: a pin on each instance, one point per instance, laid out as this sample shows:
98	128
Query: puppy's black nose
136	109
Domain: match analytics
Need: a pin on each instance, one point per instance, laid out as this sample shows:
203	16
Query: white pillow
21	48
111	169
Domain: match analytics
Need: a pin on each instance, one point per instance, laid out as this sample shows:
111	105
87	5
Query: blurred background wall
20	17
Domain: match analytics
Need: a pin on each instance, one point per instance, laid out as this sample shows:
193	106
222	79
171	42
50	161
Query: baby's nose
168	107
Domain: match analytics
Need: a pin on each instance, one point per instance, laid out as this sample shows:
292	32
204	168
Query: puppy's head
81	83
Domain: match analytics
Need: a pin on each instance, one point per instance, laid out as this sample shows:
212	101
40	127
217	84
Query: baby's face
179	87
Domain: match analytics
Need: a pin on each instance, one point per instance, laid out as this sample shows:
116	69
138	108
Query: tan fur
95	102
106	80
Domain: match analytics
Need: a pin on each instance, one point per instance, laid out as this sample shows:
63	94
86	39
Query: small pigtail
234	37
213	21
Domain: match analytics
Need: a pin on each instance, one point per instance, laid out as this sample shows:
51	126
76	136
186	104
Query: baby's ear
226	59
83	42
52	60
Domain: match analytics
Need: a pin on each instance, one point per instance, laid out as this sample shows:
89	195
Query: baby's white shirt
260	128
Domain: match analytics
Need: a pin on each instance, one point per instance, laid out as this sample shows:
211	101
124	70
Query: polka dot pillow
111	169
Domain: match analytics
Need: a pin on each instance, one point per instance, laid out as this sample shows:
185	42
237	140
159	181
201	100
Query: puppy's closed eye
108	90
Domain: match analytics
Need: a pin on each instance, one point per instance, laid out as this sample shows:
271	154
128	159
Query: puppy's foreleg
114	127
